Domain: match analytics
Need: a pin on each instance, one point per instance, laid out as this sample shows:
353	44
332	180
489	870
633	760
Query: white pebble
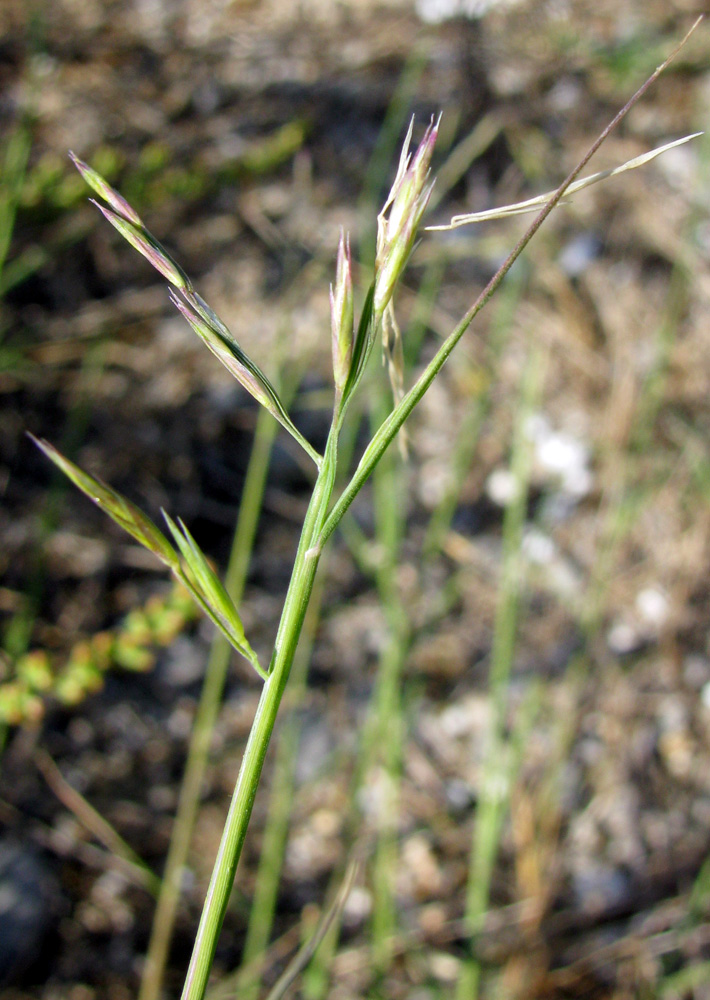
652	606
539	548
622	638
502	487
436	11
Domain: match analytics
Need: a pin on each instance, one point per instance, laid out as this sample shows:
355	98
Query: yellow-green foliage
131	646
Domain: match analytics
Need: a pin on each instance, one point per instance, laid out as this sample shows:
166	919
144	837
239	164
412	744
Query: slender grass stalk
395	652
316	975
496	776
384	866
263	904
206	716
328	919
282	793
299	592
95	823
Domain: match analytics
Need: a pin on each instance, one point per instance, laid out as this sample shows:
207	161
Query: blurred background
492	774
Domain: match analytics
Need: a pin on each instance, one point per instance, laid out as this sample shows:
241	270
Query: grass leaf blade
212	595
119	509
533	204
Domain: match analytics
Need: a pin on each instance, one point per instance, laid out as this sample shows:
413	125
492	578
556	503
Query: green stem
273	846
230	848
207	711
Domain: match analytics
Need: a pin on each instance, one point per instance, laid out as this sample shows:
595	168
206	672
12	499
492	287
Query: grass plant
398	229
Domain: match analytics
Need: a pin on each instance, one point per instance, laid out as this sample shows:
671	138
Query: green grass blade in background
12	176
383	744
467	438
273	845
496	777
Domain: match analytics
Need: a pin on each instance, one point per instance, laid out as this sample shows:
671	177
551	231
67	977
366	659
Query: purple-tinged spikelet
104	190
341	314
399	220
153	252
